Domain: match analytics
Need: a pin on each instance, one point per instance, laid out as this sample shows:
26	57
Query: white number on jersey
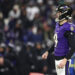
56	39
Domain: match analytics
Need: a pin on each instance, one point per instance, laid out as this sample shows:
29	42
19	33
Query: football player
64	37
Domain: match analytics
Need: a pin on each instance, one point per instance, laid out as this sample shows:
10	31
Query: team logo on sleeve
72	28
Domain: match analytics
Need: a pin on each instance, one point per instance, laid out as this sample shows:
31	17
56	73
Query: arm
46	52
71	39
51	49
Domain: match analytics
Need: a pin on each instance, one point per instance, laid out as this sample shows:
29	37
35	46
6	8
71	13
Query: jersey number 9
56	39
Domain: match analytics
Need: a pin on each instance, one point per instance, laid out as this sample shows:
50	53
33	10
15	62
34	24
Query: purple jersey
61	42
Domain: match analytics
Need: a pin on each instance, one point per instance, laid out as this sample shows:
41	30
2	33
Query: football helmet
66	12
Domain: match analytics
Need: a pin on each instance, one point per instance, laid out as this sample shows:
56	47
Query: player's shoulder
57	25
69	27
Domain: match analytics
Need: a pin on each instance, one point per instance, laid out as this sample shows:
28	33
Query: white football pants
62	71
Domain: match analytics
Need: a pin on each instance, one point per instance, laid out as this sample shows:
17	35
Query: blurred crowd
26	31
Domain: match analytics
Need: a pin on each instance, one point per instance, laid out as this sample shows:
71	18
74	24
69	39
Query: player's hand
1	60
45	55
62	63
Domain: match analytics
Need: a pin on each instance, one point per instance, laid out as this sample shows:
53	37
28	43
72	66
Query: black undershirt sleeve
50	50
71	40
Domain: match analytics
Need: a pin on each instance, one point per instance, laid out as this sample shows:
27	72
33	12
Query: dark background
26	31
